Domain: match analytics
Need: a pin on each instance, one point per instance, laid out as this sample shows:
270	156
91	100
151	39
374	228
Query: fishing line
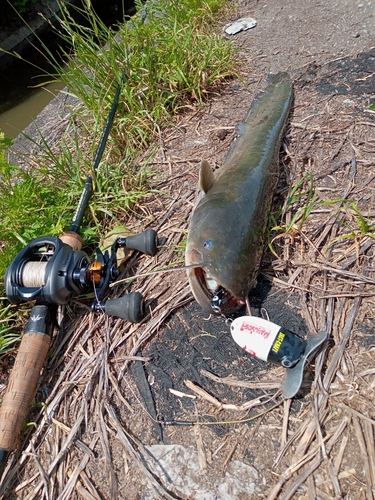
222	422
150	273
190	423
32	274
143	408
100	307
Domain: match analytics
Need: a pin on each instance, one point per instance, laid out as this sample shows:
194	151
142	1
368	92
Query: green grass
174	56
300	202
289	221
8	337
355	224
30	207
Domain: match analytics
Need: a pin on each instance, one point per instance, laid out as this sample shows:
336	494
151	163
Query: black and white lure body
272	343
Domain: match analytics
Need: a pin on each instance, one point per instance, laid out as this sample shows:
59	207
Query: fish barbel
227	228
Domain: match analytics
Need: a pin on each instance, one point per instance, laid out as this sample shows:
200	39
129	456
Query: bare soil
103	407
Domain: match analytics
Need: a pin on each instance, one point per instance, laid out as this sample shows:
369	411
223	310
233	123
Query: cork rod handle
24	378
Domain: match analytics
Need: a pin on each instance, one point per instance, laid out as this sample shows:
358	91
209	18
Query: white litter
243	24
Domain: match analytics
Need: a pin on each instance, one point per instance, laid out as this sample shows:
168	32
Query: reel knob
129	307
145	242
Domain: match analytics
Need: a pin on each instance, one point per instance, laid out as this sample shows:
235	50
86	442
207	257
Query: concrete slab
178	470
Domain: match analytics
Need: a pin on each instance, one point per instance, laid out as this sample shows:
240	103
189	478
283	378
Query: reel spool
272	343
46	269
51	271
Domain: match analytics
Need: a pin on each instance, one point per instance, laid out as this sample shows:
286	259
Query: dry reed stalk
86	495
340	454
230	453
158	489
89	486
314	464
202	460
67	444
265	384
310	430
43	474
72	483
203	394
284	432
340	350
221	445
311	490
297	435
359	278
104	440
118	391
365	457
77	441
26	483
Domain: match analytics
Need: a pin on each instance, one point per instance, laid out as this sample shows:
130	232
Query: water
20	101
17	118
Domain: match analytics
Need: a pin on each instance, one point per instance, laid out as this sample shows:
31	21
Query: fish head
205	284
211	279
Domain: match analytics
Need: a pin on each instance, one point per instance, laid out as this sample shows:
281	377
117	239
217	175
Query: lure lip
293	377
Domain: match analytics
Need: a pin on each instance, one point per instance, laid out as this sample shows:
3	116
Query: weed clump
171	55
30	207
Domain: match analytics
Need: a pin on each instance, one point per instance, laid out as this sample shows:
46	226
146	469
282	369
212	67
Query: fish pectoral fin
206	177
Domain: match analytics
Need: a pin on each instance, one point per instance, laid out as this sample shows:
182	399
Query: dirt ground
103	408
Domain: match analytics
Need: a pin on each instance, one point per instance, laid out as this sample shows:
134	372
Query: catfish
226	234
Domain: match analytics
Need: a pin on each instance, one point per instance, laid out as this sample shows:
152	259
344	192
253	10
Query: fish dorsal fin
206	177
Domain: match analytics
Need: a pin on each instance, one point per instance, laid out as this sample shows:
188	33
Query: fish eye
207	245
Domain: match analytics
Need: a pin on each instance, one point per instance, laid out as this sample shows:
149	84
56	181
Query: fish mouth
210	295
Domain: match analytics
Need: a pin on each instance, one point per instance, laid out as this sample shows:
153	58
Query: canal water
25	109
20	98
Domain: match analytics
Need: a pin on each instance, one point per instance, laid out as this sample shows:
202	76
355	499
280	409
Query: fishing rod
50	271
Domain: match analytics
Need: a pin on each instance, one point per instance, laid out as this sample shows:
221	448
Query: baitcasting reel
272	343
52	270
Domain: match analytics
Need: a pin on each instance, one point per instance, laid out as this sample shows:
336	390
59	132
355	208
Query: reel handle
145	242
129	307
24	378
